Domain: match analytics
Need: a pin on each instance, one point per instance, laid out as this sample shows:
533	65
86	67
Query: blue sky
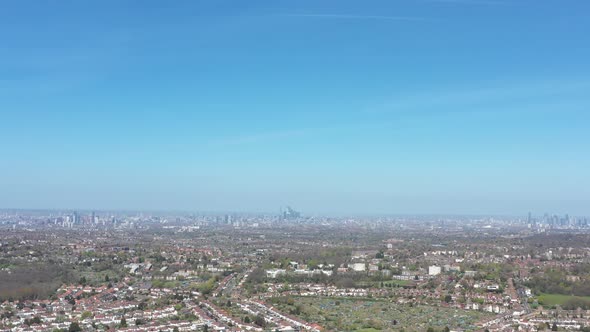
409	106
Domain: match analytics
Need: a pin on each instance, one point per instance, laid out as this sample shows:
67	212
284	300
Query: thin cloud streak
470	2
521	92
301	133
262	137
358	17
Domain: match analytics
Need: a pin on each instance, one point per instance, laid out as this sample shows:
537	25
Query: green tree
74	327
123	322
554	327
142	305
260	321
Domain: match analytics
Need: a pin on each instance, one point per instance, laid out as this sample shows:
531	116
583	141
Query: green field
398	283
371	315
389	283
558	299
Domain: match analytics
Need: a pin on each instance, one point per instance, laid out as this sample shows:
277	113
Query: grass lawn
388	283
558	299
398	282
371	315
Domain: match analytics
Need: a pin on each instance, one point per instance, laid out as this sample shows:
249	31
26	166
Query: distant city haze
334	107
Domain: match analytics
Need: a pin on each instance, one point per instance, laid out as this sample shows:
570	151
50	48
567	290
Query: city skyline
335	107
528	217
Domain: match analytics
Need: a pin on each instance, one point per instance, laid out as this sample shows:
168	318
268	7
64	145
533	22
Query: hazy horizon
305	214
333	107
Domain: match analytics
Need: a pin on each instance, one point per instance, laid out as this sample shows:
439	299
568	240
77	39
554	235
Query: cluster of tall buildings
289	214
75	219
555	221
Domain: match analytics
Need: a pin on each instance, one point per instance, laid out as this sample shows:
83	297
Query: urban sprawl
133	271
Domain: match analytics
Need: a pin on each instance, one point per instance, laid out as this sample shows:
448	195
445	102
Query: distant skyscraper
529	219
289	213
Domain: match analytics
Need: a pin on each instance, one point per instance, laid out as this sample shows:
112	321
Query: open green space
382	284
559	299
340	314
397	283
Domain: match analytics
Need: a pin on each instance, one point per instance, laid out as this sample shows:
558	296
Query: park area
569	302
379	315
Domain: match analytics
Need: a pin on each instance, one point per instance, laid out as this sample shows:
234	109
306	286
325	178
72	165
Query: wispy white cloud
357	17
557	95
299	133
472	98
471	2
62	68
262	137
